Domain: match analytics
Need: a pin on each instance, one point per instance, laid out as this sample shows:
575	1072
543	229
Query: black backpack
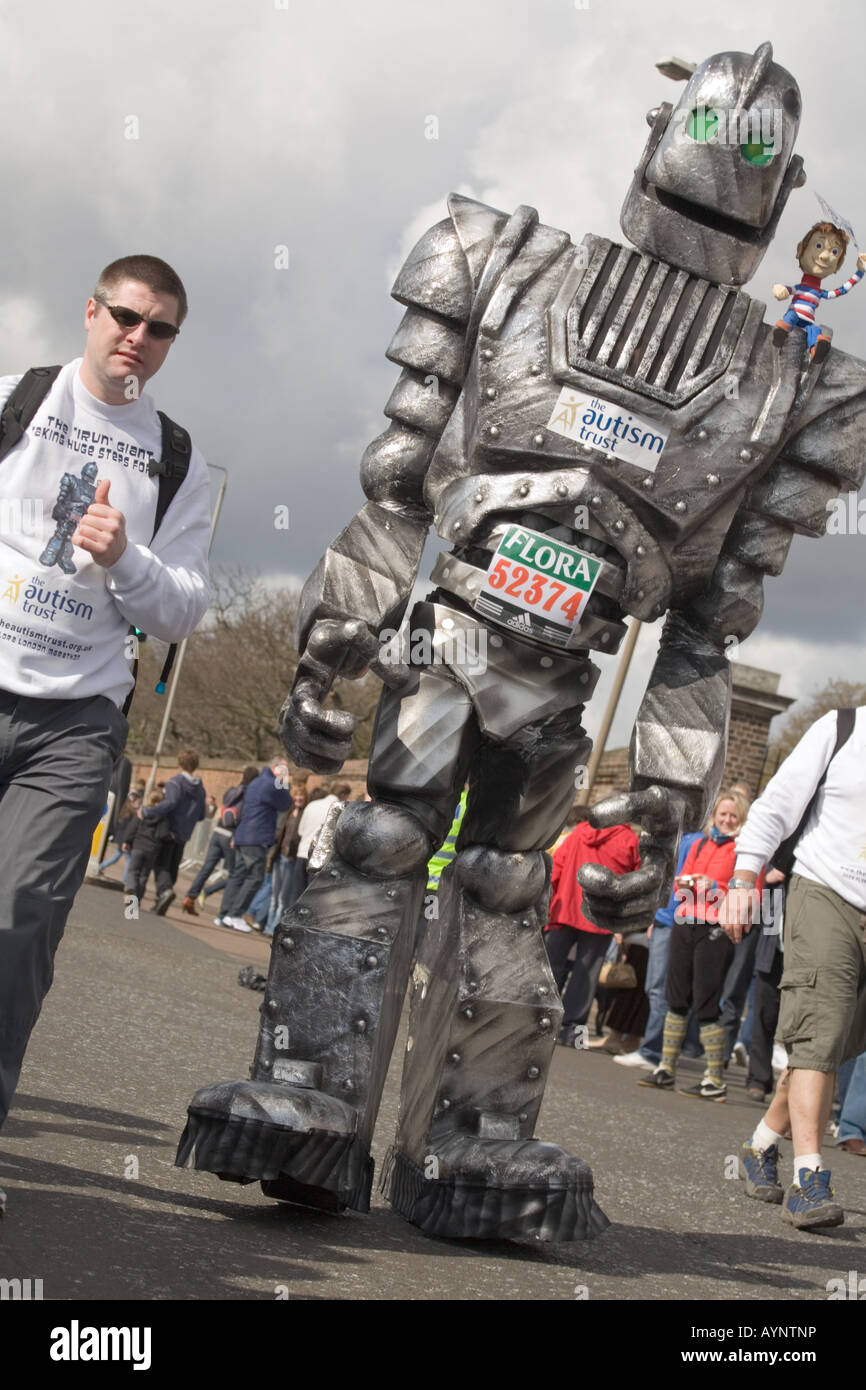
783	859
172	468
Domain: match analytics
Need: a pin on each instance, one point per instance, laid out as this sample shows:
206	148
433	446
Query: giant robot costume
725	447
74	496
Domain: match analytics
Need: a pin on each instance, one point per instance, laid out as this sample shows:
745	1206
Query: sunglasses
128	318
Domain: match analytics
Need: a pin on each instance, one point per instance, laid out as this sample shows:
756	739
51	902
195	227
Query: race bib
537	586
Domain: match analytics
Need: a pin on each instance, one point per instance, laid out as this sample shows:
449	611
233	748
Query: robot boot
339	968
484	1018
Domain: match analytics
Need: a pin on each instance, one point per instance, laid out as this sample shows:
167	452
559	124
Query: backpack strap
23	404
171	469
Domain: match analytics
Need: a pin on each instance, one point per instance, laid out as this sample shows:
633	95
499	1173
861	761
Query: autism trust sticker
594	421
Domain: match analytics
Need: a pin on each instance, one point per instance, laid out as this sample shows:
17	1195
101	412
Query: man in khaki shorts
822	1021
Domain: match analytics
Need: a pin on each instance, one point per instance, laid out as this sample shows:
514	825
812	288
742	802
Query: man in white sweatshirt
79	563
822	1020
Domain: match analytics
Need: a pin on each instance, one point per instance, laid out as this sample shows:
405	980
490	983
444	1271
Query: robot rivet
679	506
523	1117
273	1006
619	526
490	393
584	680
448	622
702	434
349	1085
391	893
303	912
648	482
387	526
495	641
472	986
538	440
604	638
360	1025
533	1073
546	661
542	989
587	448
745	455
458	526
524	489
455	1058
561	490
371	962
381	931
595	501
544	1023
712	479
288	943
265	1064
479	497
526	921
446	572
535	369
334	873
639	550
487	353
469	1012
640	593
445	1103
494	431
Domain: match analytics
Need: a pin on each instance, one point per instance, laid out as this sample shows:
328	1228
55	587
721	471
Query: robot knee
502	881
381	839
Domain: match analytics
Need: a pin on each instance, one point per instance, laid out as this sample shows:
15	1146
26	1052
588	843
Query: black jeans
581	987
246	879
768	998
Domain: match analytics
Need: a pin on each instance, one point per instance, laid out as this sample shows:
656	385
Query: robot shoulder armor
443	271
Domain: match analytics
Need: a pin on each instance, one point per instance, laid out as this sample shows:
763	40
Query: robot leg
52	549
339	966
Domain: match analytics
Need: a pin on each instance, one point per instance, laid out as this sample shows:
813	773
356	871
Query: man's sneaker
759	1169
705	1090
633	1059
237	923
808	1203
163	902
660	1079
740	1055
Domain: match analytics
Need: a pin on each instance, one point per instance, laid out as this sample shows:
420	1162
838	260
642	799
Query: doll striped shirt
807	294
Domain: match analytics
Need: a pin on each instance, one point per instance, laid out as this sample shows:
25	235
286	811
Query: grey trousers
56	760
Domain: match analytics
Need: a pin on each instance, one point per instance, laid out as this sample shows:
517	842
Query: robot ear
677	69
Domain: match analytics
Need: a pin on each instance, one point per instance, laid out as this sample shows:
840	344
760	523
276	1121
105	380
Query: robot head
718	168
89	472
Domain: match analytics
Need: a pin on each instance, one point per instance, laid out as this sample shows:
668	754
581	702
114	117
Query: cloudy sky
214	132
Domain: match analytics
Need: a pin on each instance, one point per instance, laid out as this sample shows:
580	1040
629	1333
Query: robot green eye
757	152
703	124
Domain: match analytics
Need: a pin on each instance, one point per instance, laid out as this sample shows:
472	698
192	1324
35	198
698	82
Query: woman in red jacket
616	847
700	951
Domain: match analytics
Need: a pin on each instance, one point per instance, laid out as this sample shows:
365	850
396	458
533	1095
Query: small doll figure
820	253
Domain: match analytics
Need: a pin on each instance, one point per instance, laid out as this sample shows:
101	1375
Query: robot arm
364	580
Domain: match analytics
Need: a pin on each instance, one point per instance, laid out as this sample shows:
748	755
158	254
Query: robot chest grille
648	326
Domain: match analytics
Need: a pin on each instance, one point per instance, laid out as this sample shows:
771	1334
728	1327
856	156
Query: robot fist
628	903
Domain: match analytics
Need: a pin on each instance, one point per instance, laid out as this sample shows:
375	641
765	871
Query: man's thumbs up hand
102	529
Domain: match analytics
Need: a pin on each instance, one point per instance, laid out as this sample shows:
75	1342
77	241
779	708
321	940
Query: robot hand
314	737
628	902
781	292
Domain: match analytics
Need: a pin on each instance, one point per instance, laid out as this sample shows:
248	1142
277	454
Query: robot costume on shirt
74	496
598	432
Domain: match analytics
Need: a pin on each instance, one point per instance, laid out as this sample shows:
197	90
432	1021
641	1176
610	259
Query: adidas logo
520	620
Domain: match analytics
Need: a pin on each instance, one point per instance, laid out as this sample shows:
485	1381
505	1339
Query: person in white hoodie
822	1020
86	465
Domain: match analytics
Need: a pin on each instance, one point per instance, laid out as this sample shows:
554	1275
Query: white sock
812	1161
764	1138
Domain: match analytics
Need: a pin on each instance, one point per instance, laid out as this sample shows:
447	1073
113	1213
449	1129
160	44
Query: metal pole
599	745
181	651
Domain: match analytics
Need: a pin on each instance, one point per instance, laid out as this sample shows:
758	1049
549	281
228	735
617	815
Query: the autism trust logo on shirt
611	428
44	602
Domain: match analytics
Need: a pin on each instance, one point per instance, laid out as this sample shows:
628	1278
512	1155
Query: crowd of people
758	958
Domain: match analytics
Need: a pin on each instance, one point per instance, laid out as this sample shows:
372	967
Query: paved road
142	1013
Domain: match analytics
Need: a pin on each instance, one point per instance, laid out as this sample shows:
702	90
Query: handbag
618	973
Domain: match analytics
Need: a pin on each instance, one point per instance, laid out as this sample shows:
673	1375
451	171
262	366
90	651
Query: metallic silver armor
510	331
